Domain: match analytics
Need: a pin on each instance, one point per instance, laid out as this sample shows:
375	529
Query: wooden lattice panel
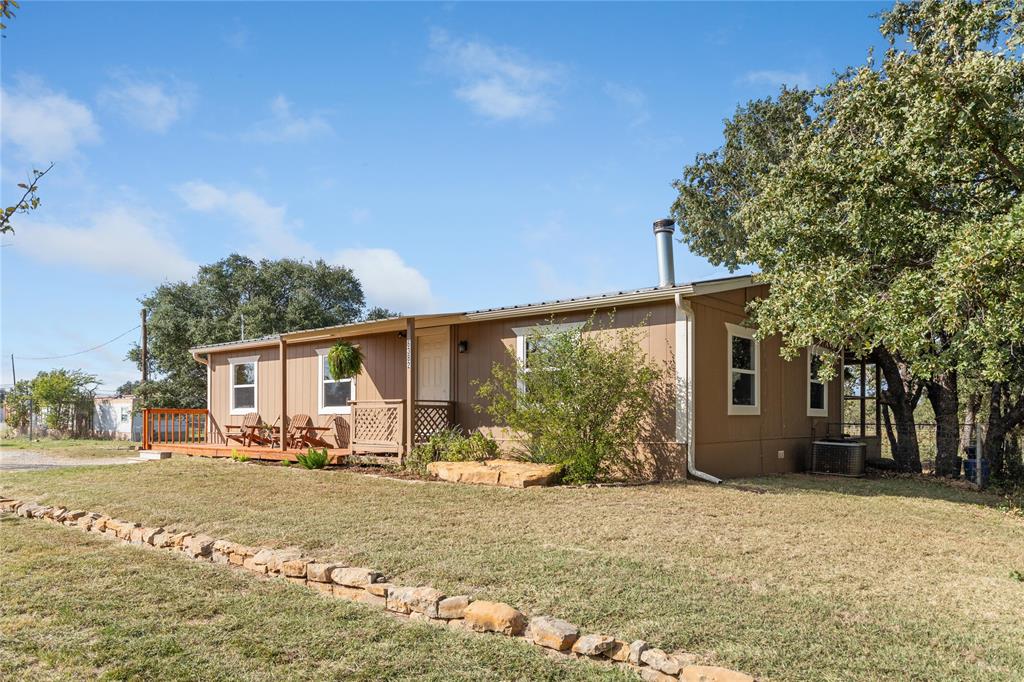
376	424
431	419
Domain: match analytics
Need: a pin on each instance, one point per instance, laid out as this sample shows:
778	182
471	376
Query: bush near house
582	398
451	445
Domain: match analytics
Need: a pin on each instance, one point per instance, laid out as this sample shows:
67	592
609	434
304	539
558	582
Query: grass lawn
70	447
76	606
793	578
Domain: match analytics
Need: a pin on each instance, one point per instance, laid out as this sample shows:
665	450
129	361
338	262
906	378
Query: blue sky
457	156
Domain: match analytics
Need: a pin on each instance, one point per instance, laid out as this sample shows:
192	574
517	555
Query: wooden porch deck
336	455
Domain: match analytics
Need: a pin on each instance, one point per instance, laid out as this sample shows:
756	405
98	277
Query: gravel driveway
26	460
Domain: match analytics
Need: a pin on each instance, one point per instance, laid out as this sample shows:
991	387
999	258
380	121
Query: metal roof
555	305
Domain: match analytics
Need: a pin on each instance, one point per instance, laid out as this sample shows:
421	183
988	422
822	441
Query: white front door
433	364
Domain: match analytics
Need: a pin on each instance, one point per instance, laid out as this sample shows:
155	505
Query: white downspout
684	387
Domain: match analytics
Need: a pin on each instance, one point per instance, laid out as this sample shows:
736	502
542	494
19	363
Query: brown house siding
726	445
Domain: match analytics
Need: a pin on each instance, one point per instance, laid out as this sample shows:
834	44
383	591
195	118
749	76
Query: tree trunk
1006	412
942	394
970	419
901	396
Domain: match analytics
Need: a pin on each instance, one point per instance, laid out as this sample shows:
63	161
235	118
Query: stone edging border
367	586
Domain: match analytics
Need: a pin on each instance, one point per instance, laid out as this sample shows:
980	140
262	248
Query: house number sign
408	353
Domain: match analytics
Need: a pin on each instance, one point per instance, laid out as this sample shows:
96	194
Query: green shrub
583	398
239	456
314	459
451	445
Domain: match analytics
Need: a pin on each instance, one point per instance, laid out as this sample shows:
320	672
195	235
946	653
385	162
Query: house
115	417
732	407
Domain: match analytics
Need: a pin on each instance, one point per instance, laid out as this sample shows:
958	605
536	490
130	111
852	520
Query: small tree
582	398
65	397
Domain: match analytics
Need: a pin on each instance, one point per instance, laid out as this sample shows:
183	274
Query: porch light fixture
463	346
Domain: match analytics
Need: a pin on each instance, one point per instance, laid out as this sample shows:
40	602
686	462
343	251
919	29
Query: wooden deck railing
379	425
174	426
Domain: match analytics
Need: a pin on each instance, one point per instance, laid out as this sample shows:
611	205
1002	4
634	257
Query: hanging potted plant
344	360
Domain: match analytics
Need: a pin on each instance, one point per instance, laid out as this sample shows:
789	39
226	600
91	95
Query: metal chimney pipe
663	231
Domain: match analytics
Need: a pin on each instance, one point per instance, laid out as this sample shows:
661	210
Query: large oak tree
884	211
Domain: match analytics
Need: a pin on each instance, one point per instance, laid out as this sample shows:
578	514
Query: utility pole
14	377
145	358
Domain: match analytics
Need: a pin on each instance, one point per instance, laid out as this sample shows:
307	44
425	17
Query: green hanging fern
344	360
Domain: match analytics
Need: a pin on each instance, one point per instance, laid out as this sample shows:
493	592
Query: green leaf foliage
314	459
583	398
344	360
273	296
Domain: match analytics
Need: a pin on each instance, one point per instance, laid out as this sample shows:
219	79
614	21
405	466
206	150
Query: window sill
336	410
817	413
744	411
243	410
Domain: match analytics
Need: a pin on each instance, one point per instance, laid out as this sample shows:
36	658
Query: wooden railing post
145	429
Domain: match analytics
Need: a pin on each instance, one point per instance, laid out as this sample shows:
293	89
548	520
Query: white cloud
285	126
45	125
151	105
777	79
497	82
119	240
388	280
631	100
267	230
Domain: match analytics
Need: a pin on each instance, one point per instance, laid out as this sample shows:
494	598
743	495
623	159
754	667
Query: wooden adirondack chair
244	432
298	426
335	426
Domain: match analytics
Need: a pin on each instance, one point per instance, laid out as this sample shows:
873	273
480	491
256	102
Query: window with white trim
334	395
244	378
744	378
817	389
531	340
125	414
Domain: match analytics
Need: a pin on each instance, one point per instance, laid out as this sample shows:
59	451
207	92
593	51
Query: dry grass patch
70	447
811	579
76	606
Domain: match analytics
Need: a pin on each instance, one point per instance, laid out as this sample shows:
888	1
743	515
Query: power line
87	350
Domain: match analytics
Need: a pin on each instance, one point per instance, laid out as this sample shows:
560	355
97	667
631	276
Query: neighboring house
731	407
116	418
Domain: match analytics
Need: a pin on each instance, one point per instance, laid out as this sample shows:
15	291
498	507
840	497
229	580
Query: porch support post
863	396
282	355
410	388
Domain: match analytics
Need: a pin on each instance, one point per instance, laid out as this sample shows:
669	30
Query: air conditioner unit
838	457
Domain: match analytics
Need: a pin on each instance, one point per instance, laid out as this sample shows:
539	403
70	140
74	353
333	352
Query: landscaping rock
320	572
279	557
323	588
453	607
251	565
592	645
135	536
73	515
352	576
358	595
100	524
379	589
659	660
652	675
618	651
148	534
263	557
490	616
503	472
198	546
636	650
552	633
414	600
237	558
710	673
177	540
294	568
